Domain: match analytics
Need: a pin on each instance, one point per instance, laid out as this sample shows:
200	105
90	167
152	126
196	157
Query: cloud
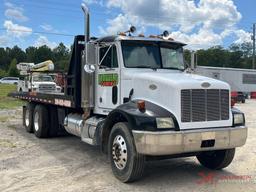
43	40
196	23
243	36
119	24
98	2
15	30
47	27
14	12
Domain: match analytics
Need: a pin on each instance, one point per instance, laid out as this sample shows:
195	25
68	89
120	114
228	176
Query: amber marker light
141	105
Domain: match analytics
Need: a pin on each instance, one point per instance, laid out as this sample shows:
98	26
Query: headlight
238	119
165	123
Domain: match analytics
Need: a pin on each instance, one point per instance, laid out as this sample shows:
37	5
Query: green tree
17	53
13	71
2	73
43	53
31	54
61	57
4	59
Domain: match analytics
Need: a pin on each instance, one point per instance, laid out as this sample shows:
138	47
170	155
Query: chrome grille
46	88
198	105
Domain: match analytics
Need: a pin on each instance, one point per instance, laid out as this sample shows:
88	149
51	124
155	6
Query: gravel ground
66	164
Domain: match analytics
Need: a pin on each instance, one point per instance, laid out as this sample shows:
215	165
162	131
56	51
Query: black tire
41	121
133	167
28	117
216	160
54	122
243	101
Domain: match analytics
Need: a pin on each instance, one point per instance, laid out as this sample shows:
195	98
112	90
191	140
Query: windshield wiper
146	67
174	68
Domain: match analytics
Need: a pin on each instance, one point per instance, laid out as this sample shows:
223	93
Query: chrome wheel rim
119	152
36	121
27	118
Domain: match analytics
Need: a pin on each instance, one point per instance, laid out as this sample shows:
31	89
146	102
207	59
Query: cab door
108	78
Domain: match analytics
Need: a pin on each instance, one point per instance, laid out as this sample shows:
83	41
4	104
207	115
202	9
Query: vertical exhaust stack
87	80
87	22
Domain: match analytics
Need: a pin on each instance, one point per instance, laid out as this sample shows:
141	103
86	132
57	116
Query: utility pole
253	39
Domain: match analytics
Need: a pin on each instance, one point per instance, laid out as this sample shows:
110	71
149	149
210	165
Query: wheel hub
36	121
27	118
119	152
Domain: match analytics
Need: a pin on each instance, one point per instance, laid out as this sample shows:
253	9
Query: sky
199	23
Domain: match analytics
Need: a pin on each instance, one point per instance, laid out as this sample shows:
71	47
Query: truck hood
163	87
178	80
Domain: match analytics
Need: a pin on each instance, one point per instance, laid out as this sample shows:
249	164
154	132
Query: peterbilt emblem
152	87
205	85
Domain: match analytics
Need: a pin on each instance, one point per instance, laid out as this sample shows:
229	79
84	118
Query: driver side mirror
89	68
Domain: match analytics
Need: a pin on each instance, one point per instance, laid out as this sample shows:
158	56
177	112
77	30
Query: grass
3	119
8	102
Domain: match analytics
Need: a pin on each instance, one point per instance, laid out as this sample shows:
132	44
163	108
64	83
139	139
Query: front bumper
179	142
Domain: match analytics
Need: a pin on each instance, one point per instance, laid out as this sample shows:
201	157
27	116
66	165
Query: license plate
208	136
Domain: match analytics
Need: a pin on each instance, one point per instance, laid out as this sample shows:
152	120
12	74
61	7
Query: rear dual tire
28	117
41	121
37	121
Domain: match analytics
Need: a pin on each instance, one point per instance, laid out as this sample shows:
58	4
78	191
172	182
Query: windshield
42	78
153	55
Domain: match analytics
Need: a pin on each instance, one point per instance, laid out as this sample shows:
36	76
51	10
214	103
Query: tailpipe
87	22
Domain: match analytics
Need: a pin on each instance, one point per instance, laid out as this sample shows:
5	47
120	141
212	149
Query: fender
145	120
136	119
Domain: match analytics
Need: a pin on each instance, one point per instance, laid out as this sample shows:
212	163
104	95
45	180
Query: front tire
216	160
41	121
127	165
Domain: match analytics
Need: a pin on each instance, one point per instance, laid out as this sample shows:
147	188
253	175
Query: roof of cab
113	38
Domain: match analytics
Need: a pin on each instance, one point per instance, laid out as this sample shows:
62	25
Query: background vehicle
38	83
131	96
9	80
239	97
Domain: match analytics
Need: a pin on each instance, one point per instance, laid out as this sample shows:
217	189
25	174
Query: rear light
233	102
234	94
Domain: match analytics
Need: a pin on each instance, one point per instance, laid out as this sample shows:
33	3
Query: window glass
110	59
153	55
141	55
172	58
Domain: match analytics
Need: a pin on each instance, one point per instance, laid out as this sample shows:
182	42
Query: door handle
114	95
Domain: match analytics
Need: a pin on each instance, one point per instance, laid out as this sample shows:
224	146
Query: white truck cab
142	85
134	98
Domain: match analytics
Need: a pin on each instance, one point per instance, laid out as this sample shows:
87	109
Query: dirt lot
66	164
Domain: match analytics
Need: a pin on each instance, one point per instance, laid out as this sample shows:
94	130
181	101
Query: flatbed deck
45	98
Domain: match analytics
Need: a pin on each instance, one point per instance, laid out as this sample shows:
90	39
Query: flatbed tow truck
133	97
